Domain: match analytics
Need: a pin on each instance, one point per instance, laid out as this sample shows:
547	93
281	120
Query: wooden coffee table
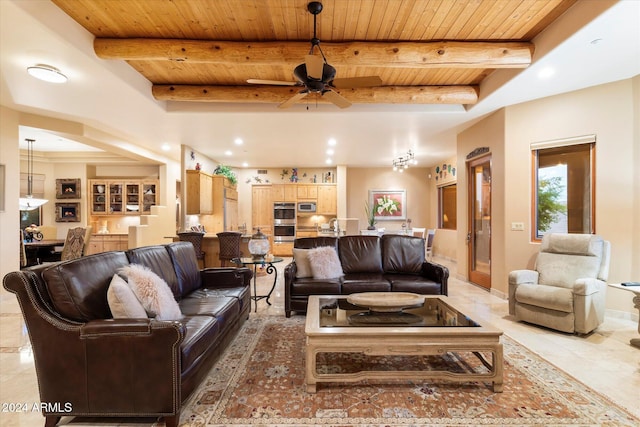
442	328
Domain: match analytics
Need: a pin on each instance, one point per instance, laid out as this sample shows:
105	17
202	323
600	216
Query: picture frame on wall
68	188
67	212
388	204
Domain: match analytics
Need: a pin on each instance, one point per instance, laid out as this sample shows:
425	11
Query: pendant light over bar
28	202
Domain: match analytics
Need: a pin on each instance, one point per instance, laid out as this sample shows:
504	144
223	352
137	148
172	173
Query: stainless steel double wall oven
284	222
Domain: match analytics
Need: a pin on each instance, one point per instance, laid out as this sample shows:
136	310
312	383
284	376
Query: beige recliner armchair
567	289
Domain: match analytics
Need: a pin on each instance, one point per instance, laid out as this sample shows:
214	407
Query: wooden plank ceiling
424	51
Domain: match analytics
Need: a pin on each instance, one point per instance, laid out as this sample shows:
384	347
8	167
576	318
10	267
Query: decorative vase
371	227
258	246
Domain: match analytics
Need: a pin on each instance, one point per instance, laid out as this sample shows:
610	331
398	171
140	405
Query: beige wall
445	241
414	180
606	111
489	132
10	218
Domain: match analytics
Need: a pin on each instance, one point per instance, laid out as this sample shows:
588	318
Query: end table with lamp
267	263
259	248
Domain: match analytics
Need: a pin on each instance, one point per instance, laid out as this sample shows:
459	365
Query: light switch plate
517	226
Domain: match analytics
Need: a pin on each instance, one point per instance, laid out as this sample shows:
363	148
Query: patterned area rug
260	381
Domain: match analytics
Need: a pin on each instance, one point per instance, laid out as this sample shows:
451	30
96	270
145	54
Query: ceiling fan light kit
317	75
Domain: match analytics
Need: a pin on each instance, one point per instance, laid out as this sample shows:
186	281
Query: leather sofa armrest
588	286
438	273
290	271
129	328
215	278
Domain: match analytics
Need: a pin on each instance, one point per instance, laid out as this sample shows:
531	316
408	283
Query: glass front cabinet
131	197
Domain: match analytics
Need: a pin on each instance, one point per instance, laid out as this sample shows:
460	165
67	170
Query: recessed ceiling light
47	73
228	153
245	164
166	147
238	141
332	142
330	152
546	72
328	161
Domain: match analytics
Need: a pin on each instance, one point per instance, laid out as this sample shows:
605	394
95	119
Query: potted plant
227	172
371	216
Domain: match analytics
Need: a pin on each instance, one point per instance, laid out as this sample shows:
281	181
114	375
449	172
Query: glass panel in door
479	237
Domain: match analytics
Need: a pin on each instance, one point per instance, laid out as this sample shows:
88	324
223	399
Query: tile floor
603	360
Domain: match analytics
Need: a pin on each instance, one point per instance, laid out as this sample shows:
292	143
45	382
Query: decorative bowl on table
386	302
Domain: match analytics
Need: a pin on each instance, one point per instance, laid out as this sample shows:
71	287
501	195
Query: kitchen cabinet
327	199
262	208
225	206
284	192
107	242
306	234
282	248
130	197
199	193
307	192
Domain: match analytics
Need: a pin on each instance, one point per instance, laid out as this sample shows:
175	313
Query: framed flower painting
388	204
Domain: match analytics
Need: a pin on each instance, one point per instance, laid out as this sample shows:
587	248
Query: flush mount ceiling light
47	73
402	162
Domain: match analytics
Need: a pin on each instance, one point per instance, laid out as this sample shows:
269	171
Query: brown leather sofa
89	364
391	263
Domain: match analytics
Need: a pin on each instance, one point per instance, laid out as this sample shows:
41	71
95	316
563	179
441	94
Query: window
447	205
564	189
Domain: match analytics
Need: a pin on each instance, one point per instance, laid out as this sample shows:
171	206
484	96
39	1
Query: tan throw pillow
152	291
122	301
325	263
303	267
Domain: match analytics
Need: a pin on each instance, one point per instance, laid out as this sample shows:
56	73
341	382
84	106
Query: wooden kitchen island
211	247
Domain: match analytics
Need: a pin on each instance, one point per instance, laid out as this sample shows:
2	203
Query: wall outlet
517	226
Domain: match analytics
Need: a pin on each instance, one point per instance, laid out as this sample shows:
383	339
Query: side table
269	269
636	303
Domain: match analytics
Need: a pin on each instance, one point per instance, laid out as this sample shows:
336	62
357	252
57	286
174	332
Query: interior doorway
479	214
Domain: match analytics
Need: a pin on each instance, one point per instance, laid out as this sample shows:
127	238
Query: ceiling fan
317	76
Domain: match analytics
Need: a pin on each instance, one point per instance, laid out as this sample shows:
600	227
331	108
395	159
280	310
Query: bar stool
195	237
229	246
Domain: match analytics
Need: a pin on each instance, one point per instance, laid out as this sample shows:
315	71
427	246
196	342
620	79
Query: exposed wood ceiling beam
374	54
277	94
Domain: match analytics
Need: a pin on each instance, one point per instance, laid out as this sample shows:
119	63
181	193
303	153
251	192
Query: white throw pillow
325	263
303	266
122	301
153	292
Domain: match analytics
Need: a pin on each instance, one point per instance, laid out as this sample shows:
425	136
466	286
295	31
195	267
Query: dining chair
431	234
49	232
418	232
23	252
195	238
229	246
87	237
74	244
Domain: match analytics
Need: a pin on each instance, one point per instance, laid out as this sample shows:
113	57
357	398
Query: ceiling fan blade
315	66
295	98
337	99
354	82
271	82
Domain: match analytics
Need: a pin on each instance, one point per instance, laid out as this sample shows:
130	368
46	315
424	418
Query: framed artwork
67	212
67	188
388	204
